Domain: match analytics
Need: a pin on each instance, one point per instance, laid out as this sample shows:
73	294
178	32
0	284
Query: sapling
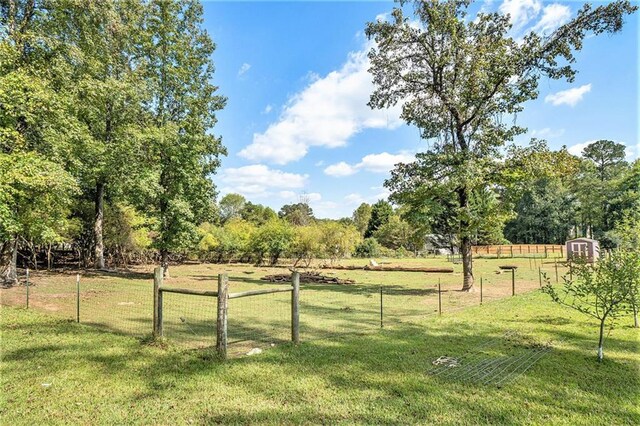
601	290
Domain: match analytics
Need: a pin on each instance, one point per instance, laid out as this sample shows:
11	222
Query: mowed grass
56	371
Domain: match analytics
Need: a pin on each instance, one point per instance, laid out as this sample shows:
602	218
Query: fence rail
222	311
519	250
185	309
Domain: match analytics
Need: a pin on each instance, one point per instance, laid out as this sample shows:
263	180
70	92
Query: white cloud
340	169
553	16
568	97
354	198
259	180
287	195
521	11
267	109
313	197
328	112
383	162
547	133
243	69
376	163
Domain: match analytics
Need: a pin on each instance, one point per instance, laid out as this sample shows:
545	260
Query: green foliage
299	214
306	244
338	240
35	198
257	213
271	240
361	217
369	247
231	206
381	211
607	156
394	234
602	291
224	243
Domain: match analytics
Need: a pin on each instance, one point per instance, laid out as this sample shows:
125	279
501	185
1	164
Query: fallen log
439	270
307	277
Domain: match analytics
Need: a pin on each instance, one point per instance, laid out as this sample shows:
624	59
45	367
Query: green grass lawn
56	371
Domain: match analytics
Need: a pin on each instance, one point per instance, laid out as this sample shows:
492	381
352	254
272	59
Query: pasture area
54	371
123	302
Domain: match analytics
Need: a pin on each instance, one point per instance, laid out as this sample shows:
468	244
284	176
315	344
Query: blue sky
297	123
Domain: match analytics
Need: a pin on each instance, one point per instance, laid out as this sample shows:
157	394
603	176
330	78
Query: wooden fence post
481	290
513	282
381	307
540	276
295	308
221	324
78	298
27	284
439	298
556	262
157	302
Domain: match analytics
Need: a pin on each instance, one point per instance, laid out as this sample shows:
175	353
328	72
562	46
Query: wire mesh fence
190	320
123	302
260	321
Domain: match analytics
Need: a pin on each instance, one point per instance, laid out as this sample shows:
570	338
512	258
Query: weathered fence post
295	308
481	290
439	298
223	303
556	262
157	302
513	282
540	276
570	271
381	311
78	298
27	284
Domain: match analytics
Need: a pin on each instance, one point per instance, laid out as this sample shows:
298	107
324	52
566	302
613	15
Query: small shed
584	248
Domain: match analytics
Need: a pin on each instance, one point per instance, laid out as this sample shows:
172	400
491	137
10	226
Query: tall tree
607	156
231	206
100	43
381	212
183	105
455	77
361	217
37	130
299	214
540	183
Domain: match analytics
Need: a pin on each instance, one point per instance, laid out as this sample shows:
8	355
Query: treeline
555	196
106	111
250	232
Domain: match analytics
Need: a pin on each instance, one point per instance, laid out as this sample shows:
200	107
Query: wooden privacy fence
517	250
223	296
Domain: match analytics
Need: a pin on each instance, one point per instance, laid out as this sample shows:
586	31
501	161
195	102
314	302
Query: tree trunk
465	243
467	264
601	340
97	227
164	262
11	276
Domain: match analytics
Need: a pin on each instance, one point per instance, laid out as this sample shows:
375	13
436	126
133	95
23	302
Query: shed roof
583	239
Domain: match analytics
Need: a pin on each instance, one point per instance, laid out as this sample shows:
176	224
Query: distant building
584	248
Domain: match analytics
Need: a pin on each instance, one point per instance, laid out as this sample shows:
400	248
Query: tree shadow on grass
376	378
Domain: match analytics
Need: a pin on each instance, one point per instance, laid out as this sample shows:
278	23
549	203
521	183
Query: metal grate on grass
495	362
